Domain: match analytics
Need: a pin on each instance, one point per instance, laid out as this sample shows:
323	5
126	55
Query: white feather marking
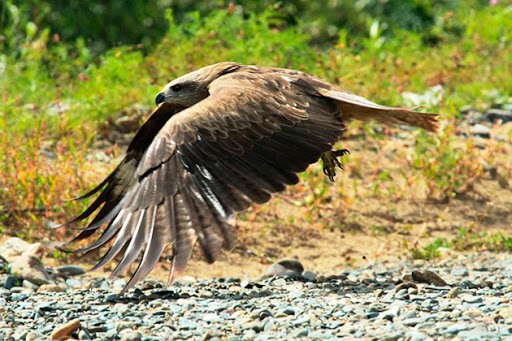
288	79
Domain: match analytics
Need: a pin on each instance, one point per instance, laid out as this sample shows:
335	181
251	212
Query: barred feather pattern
191	167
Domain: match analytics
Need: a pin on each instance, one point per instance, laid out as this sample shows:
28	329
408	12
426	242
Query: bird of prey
220	138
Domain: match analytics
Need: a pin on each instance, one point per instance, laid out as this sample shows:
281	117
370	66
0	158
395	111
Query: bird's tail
359	108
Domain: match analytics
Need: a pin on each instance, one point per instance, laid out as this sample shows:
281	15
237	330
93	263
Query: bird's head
193	87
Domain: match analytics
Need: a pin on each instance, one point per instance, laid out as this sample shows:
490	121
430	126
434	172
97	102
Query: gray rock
393	311
455	328
10	282
130	335
84	335
453	293
29	285
494	115
279	282
70	270
112	297
482	131
459	271
51	288
30	268
309	275
12	248
19	297
285	268
110	334
472	299
411	322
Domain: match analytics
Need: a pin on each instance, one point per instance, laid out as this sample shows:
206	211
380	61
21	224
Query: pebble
482	131
63	332
70	270
30	268
285	268
362	303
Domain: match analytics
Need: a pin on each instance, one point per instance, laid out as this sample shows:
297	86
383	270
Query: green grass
473	66
464	240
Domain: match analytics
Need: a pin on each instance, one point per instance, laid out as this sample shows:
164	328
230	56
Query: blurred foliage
104	24
464	240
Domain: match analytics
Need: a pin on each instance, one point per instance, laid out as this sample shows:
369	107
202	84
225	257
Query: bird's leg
330	161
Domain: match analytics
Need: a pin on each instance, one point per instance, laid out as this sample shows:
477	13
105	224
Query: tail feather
354	107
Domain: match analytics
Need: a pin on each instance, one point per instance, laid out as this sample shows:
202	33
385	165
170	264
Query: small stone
402	294
428	277
29	285
495	115
482	131
453	293
125	325
74	282
405	285
472	299
33	336
112	297
10	282
84	335
459	271
394	336
211	317
378	293
301	333
110	334
301	320
472	313
30	268
70	270
184	281
412	321
279	282
309	275
249	335
506	313
12	248
19	297
257	326
393	311
455	328
289	311
51	288
130	335
264	314
284	268
63	332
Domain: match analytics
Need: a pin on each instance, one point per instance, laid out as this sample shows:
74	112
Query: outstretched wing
247	140
115	186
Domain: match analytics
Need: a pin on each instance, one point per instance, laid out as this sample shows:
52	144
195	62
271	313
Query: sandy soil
360	218
353	224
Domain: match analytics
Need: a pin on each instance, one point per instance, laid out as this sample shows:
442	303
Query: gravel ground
469	298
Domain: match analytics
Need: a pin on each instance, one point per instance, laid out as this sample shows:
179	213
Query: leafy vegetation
58	85
463	241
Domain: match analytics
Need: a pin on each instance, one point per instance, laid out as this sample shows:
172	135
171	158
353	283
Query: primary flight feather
221	138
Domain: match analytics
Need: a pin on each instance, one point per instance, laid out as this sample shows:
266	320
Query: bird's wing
248	139
359	108
356	107
115	186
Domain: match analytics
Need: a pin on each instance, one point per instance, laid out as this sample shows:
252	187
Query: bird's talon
330	160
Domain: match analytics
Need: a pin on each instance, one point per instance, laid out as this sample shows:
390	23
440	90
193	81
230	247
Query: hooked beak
160	98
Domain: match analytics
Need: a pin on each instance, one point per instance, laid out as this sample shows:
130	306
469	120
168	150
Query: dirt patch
377	209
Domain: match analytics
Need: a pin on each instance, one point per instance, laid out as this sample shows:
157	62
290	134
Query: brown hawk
220	138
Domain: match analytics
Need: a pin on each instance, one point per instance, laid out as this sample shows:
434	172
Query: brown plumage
221	138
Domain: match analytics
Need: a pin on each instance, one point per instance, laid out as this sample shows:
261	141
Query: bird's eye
176	87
